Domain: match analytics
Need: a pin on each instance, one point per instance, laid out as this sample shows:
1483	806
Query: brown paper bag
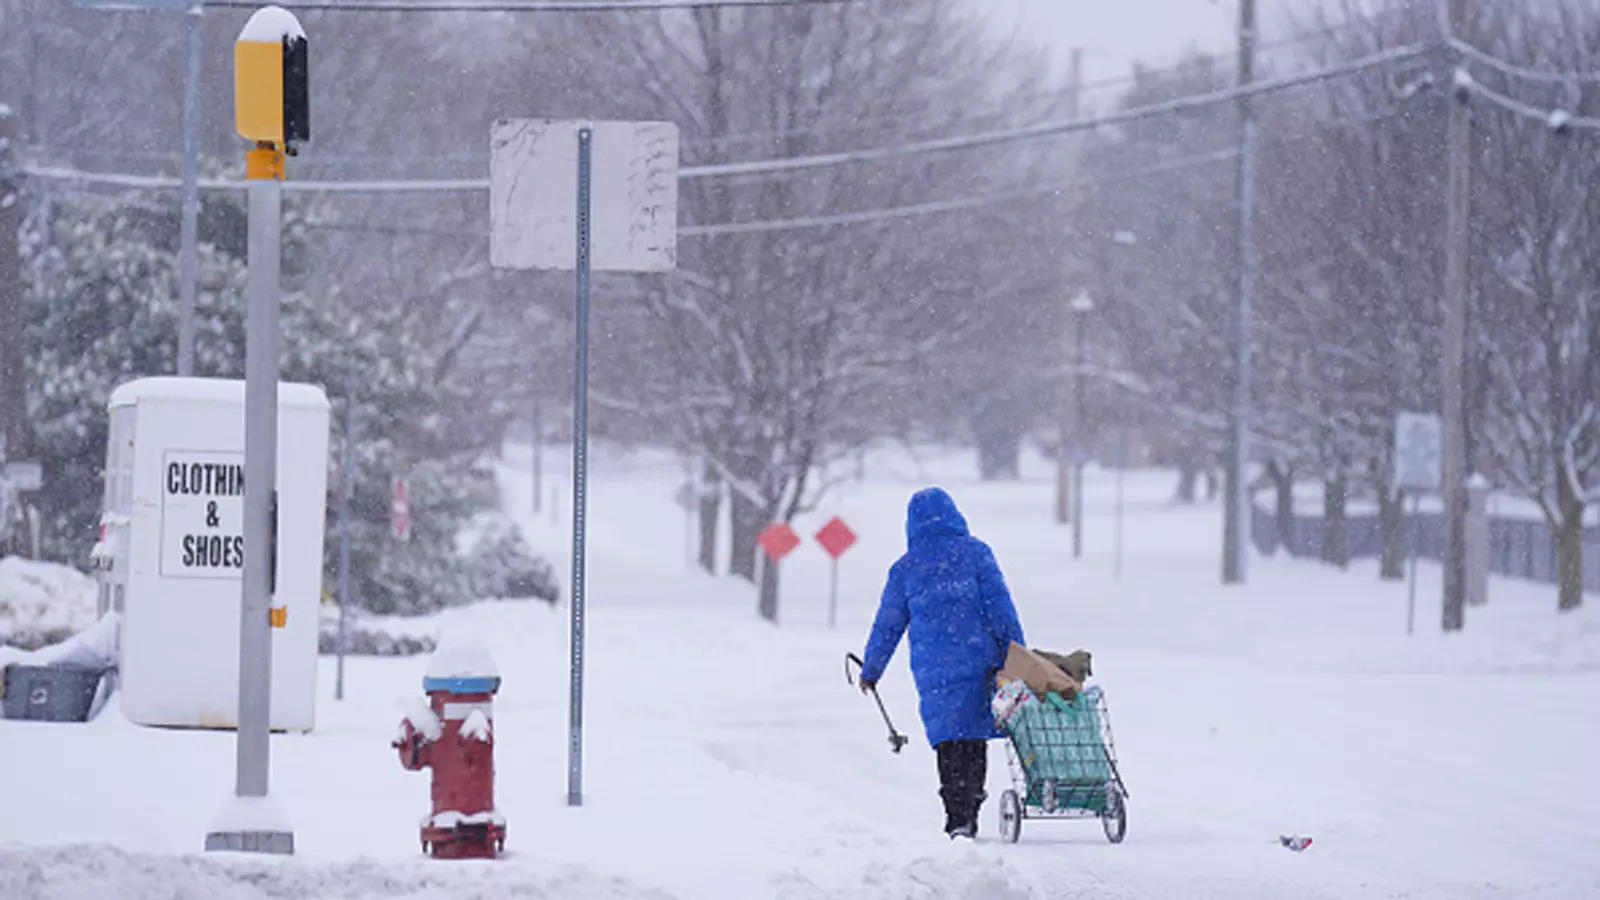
1040	675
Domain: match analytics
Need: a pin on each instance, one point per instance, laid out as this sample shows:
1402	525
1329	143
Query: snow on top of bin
272	23
211	390
461	655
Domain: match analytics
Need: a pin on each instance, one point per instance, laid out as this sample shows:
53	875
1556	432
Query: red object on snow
778	539
457	742
1294	842
836	537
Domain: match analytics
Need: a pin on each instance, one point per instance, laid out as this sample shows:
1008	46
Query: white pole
258	581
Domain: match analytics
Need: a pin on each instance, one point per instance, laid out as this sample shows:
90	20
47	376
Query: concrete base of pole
251	825
279	842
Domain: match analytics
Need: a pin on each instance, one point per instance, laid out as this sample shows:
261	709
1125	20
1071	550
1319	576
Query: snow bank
78	871
42	603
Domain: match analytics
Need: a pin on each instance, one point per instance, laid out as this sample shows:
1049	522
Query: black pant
963	767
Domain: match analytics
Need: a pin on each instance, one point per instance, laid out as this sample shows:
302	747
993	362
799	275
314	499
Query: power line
922	209
1052	129
1516	71
1295	40
1556	120
527	6
788	164
849	218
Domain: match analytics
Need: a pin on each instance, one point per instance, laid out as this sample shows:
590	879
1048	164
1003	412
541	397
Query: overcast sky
1116	33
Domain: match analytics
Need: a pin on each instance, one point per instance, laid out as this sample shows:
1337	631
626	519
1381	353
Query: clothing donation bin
171	551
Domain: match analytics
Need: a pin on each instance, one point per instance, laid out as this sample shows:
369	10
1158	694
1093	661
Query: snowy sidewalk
726	758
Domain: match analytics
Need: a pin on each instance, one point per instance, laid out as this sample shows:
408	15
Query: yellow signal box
270	81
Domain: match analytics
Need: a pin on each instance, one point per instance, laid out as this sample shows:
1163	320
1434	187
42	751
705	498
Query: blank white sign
1418	451
633	195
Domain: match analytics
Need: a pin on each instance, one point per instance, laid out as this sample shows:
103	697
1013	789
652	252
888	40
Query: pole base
468	840
251	825
279	842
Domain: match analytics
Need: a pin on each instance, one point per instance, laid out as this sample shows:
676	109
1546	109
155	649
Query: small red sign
836	537
779	540
400	511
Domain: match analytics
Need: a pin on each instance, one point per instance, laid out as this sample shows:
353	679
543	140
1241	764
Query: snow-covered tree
102	310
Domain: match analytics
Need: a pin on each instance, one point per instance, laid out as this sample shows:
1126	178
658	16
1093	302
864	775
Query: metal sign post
1122	468
836	538
580	473
1411	551
345	478
1418	467
624	220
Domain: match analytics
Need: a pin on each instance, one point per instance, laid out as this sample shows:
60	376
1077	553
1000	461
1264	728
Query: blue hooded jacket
948	590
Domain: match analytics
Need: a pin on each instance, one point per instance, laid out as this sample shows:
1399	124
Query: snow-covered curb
96	870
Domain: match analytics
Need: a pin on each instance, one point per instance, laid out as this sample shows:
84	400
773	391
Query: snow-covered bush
501	565
43	603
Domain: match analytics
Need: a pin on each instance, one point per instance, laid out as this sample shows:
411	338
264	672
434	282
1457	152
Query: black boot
962	769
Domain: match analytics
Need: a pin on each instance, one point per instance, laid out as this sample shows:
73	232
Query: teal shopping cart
1063	765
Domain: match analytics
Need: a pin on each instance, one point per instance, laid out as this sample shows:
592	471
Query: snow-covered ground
727	758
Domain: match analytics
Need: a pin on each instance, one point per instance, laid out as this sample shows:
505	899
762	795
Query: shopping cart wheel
1115	817
1010	817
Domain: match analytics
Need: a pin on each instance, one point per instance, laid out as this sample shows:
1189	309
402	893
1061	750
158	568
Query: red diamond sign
779	540
836	537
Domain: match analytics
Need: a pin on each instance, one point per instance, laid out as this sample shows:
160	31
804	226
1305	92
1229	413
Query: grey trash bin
50	693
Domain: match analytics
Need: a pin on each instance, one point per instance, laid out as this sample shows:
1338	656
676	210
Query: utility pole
1064	457
189	224
1452	358
1235	491
14	437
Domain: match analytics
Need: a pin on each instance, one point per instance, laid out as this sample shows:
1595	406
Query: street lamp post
1081	306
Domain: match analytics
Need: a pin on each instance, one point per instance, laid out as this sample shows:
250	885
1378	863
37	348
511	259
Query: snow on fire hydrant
454	734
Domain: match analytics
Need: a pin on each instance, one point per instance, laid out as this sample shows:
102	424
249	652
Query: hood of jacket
932	513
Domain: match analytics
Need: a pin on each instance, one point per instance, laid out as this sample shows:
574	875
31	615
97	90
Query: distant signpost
836	538
1418	469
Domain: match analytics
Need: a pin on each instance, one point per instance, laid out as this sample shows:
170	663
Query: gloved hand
868	687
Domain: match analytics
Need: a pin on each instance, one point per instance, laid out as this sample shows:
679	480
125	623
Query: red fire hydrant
454	734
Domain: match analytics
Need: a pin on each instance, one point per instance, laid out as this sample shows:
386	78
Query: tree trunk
998	429
1283	483
748	520
710	514
1188	481
769	590
1335	528
1569	542
1392	533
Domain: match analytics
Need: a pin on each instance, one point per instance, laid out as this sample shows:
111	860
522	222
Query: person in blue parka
947	590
